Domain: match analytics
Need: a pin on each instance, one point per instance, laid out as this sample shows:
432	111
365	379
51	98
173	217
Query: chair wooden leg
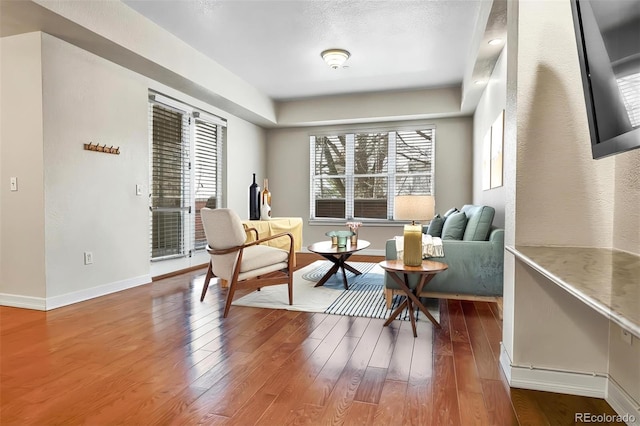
206	281
290	285
227	305
388	296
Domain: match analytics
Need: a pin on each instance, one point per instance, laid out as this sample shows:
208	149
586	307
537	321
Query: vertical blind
186	175
353	174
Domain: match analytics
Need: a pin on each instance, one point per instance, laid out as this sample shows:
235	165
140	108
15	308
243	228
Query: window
186	166
352	174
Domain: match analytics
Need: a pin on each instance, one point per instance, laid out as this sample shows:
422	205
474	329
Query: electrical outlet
627	337
88	258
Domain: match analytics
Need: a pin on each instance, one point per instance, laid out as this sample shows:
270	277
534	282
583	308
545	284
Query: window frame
349	172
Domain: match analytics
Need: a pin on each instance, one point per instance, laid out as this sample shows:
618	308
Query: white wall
626	219
90	198
71	200
558	195
491	104
370	107
288	166
22	269
113	30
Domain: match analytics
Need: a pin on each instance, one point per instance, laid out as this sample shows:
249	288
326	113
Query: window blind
414	162
186	165
170	183
206	179
354	174
630	90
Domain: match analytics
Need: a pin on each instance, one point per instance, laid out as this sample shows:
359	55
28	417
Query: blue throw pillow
454	226
435	226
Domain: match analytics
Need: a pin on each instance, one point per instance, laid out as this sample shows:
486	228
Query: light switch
14	183
138	189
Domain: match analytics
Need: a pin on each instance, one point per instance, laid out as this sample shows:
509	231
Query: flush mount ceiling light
335	58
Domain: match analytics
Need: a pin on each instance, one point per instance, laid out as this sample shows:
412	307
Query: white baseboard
90	293
505	363
623	403
550	380
27	302
46	304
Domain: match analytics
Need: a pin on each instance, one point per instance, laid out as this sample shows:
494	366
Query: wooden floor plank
155	354
360	413
391	405
400	361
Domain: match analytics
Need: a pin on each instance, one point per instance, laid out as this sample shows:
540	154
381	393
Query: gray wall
288	166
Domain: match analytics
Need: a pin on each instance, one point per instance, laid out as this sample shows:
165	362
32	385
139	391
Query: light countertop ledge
608	280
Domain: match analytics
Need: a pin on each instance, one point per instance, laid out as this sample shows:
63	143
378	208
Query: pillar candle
412	245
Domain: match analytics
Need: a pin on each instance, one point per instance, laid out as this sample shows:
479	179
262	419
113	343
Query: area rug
365	297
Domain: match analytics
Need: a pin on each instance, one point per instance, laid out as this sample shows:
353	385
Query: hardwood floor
156	355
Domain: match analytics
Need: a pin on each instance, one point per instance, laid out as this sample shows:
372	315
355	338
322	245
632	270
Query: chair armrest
273	237
248	230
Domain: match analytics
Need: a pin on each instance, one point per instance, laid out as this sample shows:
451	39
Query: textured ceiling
276	45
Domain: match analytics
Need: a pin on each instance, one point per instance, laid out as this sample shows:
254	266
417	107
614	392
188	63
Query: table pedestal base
338	264
412	298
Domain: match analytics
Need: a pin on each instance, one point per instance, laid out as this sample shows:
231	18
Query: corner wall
22	269
561	197
55	98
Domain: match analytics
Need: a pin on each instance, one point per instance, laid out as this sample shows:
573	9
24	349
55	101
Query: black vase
254	200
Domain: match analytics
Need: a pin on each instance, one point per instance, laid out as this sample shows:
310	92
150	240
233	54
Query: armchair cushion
256	257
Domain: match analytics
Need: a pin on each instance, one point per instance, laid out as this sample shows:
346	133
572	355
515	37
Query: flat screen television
608	39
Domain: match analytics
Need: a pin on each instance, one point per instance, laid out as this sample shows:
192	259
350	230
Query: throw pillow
435	226
454	226
449	213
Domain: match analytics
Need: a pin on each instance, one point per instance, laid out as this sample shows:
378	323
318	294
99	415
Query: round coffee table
427	270
337	255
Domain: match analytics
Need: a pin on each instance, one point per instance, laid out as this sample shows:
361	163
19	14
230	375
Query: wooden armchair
242	264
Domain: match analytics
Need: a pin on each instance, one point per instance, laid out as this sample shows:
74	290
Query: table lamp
413	208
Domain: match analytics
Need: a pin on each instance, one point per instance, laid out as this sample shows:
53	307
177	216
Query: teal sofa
476	262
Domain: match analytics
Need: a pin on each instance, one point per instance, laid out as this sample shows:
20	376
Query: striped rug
365	297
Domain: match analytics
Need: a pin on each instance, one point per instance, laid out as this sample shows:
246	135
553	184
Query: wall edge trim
570	383
622	402
93	292
26	302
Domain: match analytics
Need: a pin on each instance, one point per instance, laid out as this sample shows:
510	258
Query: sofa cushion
454	226
435	226
479	222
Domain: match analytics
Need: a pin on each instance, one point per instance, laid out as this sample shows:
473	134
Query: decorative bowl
339	238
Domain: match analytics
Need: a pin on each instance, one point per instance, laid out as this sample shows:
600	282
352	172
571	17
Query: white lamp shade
414	207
